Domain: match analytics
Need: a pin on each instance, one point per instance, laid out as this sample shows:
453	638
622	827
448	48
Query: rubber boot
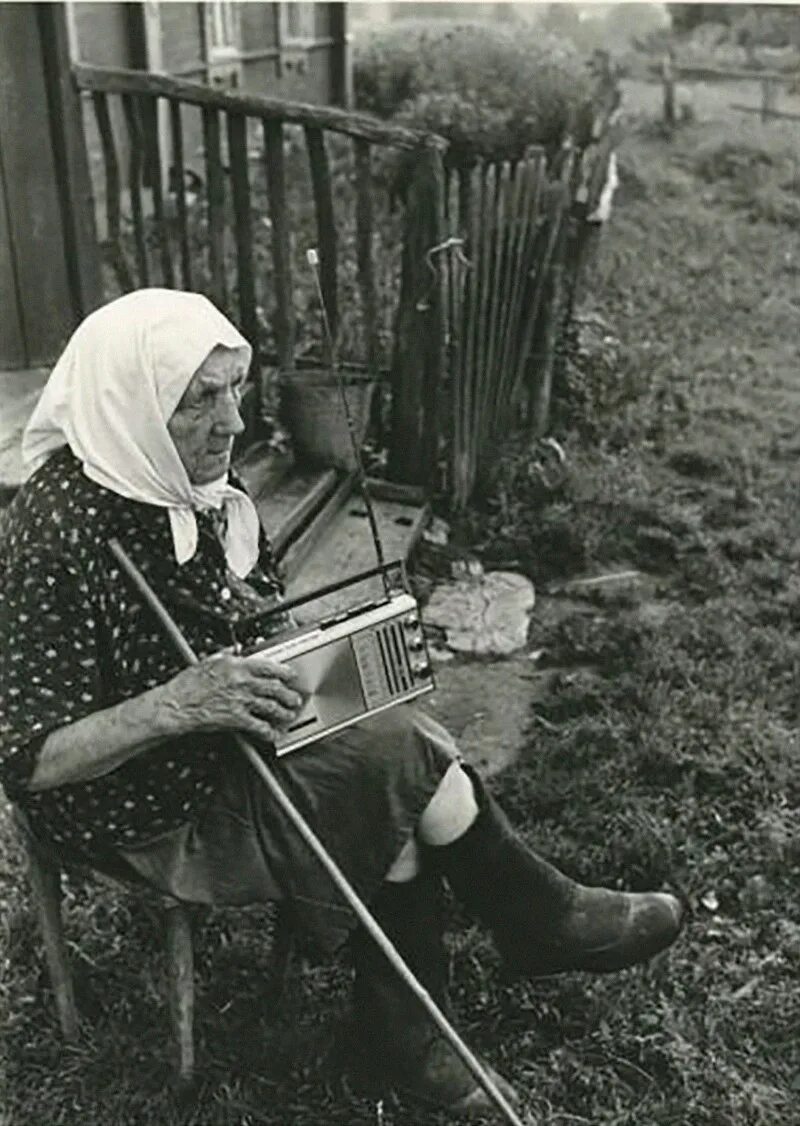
397	1043
543	922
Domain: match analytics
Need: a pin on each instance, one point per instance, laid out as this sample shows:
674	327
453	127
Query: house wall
259	26
107	33
36	306
183	41
102	33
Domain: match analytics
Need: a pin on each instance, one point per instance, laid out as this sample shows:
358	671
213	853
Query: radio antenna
313	260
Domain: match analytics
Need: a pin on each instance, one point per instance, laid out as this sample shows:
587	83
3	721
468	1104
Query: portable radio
353	665
362	661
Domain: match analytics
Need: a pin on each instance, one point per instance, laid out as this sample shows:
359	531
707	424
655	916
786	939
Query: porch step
19	393
318	522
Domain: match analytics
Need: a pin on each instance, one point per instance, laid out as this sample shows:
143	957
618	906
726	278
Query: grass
667	751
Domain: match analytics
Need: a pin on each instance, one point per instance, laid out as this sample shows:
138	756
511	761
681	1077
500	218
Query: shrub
491	90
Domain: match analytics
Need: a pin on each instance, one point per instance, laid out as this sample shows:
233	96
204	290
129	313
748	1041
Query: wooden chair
45	872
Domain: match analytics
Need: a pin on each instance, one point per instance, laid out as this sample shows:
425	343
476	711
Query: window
222	29
298	22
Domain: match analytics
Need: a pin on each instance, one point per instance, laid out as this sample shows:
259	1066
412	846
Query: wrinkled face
207	419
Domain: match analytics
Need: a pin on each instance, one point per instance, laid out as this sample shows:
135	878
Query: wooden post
341	62
130	108
769	91
176	130
419	345
116	251
49	262
275	166
45	880
668	81
215	194
327	241
72	169
180	973
553	323
364	254
243	228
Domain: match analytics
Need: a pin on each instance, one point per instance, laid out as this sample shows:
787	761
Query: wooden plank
243	229
457	271
478	419
262	468
82	251
298	552
379	489
178	165
116	253
499	221
553	324
12	344
434	325
322	188
40	294
516	222
130	109
463	454
544	266
345	548
119	80
149	118
215	191
404	423
281	251
419	330
279	499
310	503
780	113
734	74
534	173
364	258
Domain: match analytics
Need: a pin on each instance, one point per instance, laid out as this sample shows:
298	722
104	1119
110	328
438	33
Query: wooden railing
150	128
771	82
274	178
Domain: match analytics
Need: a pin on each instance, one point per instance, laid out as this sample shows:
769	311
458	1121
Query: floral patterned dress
76	637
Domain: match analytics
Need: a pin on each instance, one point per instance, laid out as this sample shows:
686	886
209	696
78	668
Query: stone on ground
485	616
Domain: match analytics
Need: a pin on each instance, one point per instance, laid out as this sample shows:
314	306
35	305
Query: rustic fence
223	192
518	241
770	84
246	253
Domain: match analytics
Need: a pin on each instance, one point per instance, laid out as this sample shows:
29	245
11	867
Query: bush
491	90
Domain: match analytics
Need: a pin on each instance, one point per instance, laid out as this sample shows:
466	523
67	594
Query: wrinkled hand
253	694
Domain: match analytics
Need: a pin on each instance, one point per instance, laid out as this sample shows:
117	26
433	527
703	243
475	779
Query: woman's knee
451	810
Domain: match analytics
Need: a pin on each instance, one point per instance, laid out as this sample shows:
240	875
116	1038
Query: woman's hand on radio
226	692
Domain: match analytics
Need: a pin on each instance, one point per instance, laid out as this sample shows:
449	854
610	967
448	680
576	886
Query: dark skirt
362	791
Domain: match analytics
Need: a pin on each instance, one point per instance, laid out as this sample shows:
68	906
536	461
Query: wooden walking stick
360	910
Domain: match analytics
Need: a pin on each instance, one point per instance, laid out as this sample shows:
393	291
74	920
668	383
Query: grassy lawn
667	752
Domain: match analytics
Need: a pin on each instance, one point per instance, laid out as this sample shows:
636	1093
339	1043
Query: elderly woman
122	757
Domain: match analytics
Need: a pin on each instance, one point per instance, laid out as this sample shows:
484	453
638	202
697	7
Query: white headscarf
109	399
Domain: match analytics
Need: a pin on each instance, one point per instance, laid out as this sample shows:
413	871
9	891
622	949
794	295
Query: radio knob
416	645
411	623
421	669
